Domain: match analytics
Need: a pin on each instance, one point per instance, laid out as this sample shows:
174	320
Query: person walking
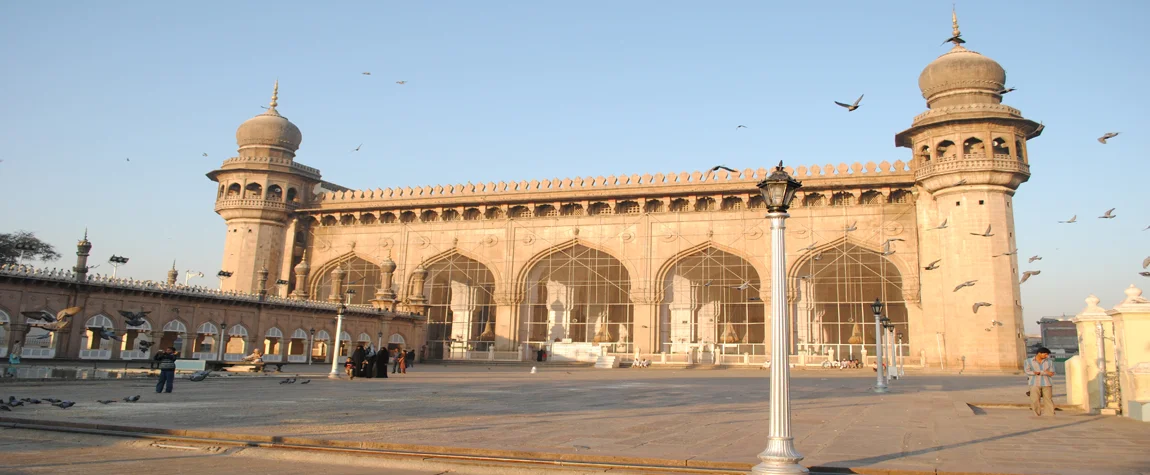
167	361
1040	379
410	360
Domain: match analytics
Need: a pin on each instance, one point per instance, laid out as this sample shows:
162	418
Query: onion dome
269	129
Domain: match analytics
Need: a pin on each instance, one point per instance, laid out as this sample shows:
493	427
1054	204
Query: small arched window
814	199
842	198
1018	150
973	148
254	191
756	202
449	215
234	190
291	196
1000	148
367	218
387	218
679	205
653	206
544	211
494	213
627	207
705	204
407	217
471	214
328	220
275	193
945	150
900	196
870	198
518	212
599	208
571	209
346	220
732	203
924	153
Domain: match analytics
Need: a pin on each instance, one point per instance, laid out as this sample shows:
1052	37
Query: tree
12	244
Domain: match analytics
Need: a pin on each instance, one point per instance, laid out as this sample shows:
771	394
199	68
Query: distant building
1059	334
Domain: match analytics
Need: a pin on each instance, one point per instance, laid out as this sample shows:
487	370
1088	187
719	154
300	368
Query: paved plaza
949	423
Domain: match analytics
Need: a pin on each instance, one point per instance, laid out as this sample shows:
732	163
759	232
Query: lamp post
892	355
223	275
220	350
311	347
887	353
116	262
190	274
880	381
338	332
901	371
23	247
282	284
780	456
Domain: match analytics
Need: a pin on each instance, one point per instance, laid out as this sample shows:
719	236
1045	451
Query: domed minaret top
269	132
961	76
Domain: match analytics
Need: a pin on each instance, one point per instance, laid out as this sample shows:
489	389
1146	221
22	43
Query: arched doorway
320	346
204	346
577	305
273	338
396	341
92	346
345	347
39	343
130	344
173	337
297	346
360	275
236	347
461	309
835	288
712	306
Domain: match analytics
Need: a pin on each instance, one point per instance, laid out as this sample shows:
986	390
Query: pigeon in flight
818	257
756	299
742	286
969	283
723	167
810	247
1146	262
1026	275
886	250
1073	219
979	304
48	317
852	227
1147	227
888	241
1011	253
941	226
1108	215
401	82
740	127
134	319
199	376
1034	258
1005	90
1144	274
357	147
1107	136
956	39
932	265
851	107
367	73
106	334
985	234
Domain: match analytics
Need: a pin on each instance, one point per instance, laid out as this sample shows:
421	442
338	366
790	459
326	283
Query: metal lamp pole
892	366
780	456
338	330
189	275
116	262
880	381
311	347
901	371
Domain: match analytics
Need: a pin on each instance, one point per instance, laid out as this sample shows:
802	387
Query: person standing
401	361
167	361
1040	378
410	360
381	358
369	362
357	357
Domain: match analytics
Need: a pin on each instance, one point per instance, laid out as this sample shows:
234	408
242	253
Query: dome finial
276	90
955	35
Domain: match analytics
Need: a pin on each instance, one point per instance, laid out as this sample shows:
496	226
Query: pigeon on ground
1109	214
4	407
1026	275
932	265
985	234
1034	258
979	304
306	381
851	107
64	404
1106	136
1073	219
106	401
132	398
199	376
969	283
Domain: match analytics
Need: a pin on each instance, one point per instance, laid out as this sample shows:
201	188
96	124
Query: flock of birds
52	323
60	403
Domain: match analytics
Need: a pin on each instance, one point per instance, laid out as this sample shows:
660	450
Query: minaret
173	274
83	247
969	157
258	193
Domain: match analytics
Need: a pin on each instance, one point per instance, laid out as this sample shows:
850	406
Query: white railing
273	358
38	353
297	358
204	355
95	354
133	355
233	356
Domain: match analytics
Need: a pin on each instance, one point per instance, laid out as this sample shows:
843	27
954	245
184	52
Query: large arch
521	275
711	302
460	294
758	265
833	287
360	274
576	296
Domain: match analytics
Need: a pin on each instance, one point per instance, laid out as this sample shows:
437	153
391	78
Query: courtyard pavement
925	423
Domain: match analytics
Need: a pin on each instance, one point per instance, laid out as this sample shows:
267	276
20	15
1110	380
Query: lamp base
880	389
333	375
781	468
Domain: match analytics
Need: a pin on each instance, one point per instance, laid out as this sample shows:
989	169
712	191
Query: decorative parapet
67	276
294	165
632	184
246	203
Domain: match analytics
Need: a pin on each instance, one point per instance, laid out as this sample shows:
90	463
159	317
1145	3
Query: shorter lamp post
116	262
223	275
23	248
190	274
901	368
892	355
880	381
282	284
220	344
338	332
311	347
886	353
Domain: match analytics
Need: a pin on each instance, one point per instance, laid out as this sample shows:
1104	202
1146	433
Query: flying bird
1005	90
740	127
961	182
1144	274
969	283
48	317
810	247
1108	215
1108	135
106	334
851	107
886	250
852	227
1034	258
127	159
1147	227
756	299
956	39
941	226
1073	219
1011	253
932	265
199	375
742	286
205	154
985	234
723	167
357	147
134	319
888	241
1026	275
1146	262
366	73
979	304
401	82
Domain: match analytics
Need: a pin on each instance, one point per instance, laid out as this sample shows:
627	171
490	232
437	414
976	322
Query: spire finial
954	21
85	234
173	264
276	92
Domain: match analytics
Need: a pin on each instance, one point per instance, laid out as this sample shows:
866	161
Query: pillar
1087	322
300	291
336	295
682	306
558	311
1132	338
385	295
417	300
507	308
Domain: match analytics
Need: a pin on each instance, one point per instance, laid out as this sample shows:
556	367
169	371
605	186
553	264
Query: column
1132	339
507	308
416	299
300	291
682	313
336	295
462	304
558	311
1083	387
385	296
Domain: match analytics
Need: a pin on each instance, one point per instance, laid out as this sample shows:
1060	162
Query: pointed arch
455	251
362	273
460	291
661	274
521	275
176	325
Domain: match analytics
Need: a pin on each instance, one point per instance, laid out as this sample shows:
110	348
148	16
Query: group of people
369	363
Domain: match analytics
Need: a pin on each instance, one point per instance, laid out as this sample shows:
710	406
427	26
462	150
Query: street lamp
282	284
887	352
311	347
24	247
190	274
899	362
223	275
338	332
880	381
116	262
780	455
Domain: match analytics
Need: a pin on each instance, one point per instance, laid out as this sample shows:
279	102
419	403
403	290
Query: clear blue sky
512	90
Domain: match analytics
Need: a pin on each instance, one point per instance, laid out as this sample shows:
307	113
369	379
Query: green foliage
33	248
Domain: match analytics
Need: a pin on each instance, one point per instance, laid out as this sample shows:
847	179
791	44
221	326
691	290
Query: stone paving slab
718	416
